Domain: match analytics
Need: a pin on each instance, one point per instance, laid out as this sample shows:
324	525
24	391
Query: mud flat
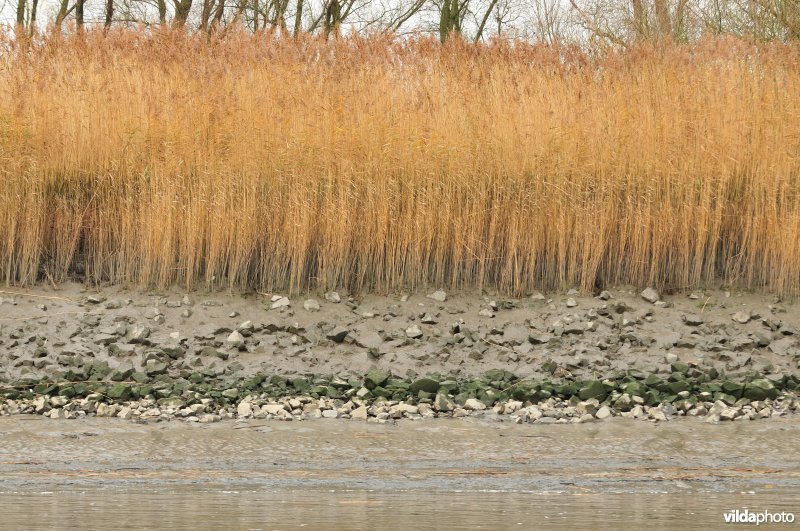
436	474
72	353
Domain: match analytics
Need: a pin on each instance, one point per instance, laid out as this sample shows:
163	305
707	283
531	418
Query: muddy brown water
439	474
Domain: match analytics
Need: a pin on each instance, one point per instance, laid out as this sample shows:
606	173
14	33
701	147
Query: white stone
403	409
235	339
106	410
414	332
650	295
473	404
282	302
359	413
273	409
333	297
39	403
363	392
603	413
741	317
244	409
534	413
438	295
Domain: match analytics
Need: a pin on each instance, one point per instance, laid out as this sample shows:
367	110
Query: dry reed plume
292	164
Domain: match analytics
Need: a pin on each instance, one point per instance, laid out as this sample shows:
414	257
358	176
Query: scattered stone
231	393
427	385
311	305
273	409
603	413
338	334
401	410
515	334
235	340
359	413
106	410
368	340
692	319
741	317
333	297
650	295
657	414
472	404
282	302
414	332
428	319
244	409
595	389
442	403
138	334
438	296
376	378
154	367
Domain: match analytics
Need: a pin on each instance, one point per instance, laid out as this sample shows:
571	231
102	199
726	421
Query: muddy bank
72	353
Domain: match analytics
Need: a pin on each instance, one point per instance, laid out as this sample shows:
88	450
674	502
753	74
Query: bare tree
80	6
109	14
182	9
21	5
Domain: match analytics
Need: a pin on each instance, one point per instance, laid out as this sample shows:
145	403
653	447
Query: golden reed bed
268	163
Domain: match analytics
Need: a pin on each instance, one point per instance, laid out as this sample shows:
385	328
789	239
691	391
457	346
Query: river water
436	474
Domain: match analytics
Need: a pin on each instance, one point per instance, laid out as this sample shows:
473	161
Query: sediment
558	358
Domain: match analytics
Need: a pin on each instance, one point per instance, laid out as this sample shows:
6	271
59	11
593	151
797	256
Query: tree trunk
79	5
34	9
21	13
298	18
63	11
663	22
483	21
333	15
162	12
255	16
639	20
182	9
218	12
444	21
109	13
205	15
280	14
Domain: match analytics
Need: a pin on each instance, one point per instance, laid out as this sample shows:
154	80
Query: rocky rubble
558	358
235	404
